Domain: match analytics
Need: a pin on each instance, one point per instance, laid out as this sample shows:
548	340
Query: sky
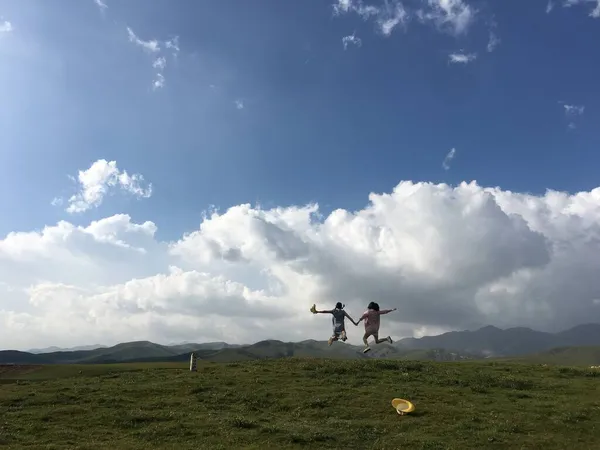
207	171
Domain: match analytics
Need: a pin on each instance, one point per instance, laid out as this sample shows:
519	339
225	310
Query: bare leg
344	337
379	341
365	340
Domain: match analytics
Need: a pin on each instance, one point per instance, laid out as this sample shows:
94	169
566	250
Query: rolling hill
144	351
454	346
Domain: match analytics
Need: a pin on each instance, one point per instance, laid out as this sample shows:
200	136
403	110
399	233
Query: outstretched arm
325	311
350	318
386	311
363	317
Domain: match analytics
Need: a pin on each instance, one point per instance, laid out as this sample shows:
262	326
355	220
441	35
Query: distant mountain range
454	346
492	341
71	349
144	351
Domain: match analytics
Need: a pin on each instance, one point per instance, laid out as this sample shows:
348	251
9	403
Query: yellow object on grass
402	406
313	309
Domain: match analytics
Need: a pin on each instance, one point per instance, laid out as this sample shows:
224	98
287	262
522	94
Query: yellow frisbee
402	406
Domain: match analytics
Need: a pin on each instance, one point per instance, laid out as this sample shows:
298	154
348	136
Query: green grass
302	403
588	355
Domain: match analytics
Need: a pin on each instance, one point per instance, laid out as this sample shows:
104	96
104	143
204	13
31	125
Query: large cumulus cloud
446	257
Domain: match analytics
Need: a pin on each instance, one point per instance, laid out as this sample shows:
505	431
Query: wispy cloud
103	6
153	47
173	45
149	46
352	39
549	6
5	26
448	159
101	179
455	16
239	104
393	16
357	6
462	58
387	17
493	41
572	112
595	13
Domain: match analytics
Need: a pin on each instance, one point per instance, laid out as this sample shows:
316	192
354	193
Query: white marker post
193	366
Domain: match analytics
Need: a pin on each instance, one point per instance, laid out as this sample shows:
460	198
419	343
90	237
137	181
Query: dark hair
373	306
339	305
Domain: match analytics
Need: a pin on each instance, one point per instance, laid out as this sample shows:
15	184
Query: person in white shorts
337	321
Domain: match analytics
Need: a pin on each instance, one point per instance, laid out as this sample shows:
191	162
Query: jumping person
339	327
371	317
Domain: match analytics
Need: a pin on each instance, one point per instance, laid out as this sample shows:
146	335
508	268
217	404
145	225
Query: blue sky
282	105
320	123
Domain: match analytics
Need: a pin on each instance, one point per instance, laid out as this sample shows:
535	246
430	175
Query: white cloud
448	159
103	6
572	112
160	63
101	179
357	6
387	17
239	104
159	81
351	39
343	6
455	16
446	257
462	58
391	18
595	12
151	46
6	27
549	7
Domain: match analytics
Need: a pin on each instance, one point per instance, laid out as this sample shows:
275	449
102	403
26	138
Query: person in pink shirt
371	317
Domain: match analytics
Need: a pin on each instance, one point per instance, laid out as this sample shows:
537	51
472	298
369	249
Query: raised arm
325	311
386	311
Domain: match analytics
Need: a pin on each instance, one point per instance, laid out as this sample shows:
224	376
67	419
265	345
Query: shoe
366	349
330	341
389	338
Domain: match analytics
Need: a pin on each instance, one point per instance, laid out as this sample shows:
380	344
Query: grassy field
300	403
